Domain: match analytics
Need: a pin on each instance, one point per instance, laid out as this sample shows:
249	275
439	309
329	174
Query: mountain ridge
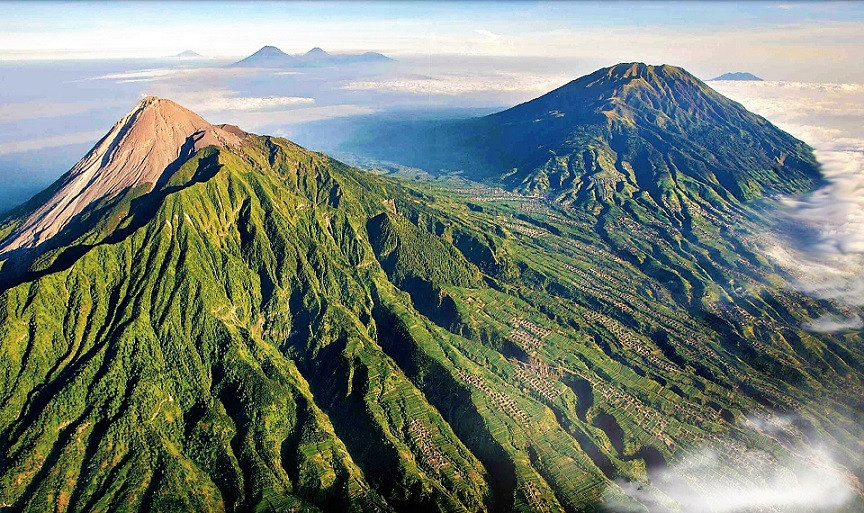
659	114
268	329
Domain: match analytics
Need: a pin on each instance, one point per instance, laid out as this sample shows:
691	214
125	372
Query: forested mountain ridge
659	127
264	328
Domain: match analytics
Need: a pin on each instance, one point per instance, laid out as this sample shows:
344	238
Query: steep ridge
658	129
137	153
267	329
660	162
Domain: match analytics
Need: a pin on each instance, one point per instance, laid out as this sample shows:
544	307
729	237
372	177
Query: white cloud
144	75
729	476
831	323
453	84
218	100
184	85
824	253
489	35
793	103
210	101
173	73
51	141
248	111
255	120
491	42
47	109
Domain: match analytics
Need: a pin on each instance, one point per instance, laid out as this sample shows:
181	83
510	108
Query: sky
784	40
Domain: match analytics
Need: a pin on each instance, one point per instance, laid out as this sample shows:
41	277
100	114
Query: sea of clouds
729	475
819	238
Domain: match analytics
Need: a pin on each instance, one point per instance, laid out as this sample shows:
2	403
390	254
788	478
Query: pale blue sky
792	33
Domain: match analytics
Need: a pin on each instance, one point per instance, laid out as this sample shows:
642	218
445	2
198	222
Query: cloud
454	84
489	35
261	110
831	323
209	101
189	87
793	103
144	75
818	238
51	142
173	73
491	42
47	109
732	476
220	100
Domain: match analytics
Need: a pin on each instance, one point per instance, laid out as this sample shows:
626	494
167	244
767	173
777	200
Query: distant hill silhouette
272	57
189	54
738	75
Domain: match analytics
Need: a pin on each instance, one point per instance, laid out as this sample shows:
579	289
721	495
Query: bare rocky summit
136	152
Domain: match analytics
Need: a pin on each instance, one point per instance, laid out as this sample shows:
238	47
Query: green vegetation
272	330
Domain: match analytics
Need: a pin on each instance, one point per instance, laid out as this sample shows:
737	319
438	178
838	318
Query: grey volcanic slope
132	156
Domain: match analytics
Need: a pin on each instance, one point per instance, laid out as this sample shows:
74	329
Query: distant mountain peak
266	56
376	56
269	51
270	56
155	136
188	54
738	75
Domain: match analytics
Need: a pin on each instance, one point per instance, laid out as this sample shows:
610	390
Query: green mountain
654	128
632	126
245	325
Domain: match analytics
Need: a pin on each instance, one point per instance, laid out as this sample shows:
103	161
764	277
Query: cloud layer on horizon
53	141
455	84
225	100
828	262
